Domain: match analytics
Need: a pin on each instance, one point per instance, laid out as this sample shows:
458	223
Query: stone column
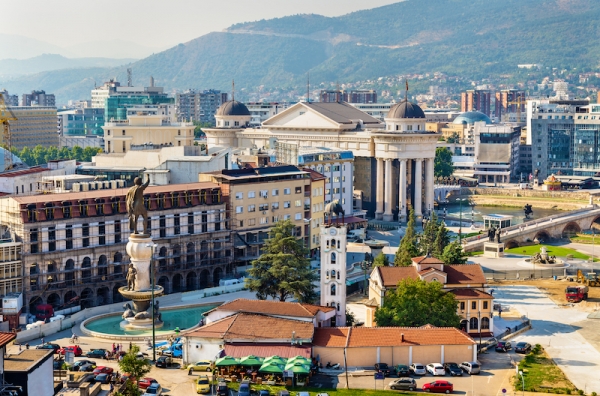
418	186
429	184
402	186
389	207
379	211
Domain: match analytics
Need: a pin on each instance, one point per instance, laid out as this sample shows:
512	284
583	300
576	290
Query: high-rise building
38	98
507	102
81	122
10	100
199	106
476	100
352	96
35	125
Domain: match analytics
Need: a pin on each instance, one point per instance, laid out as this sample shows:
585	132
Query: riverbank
519	202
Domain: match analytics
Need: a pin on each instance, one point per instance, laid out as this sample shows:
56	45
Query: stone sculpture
135	205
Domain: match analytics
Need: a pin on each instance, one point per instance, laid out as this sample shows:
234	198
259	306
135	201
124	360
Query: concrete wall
195	349
580	195
39	382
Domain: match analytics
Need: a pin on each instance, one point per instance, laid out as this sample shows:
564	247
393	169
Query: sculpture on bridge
528	211
491	233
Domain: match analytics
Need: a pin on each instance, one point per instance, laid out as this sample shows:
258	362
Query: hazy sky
152	23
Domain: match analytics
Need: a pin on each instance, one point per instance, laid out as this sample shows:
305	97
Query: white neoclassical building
393	164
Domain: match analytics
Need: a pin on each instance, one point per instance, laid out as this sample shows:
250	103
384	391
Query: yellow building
317	206
258	198
143	131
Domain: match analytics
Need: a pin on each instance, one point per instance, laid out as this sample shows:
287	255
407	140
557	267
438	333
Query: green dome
471	117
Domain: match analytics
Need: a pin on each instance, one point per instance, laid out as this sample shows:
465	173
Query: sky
152	23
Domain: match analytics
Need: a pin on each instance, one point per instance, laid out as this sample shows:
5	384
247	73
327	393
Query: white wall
196	349
40	382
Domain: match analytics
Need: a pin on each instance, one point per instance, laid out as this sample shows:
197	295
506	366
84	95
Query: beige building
259	198
365	346
35	125
317	207
11	280
144	131
466	281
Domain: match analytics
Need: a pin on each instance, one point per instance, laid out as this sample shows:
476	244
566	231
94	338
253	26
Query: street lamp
365	265
153	246
522	380
460	201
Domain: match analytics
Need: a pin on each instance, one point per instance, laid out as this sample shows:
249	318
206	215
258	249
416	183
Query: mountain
112	49
473	38
13	46
46	62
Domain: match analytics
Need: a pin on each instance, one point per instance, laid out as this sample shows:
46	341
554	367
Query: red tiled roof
426	260
270	307
314	175
464	274
24	172
331	336
391	276
465	294
428	270
392	336
285	350
253	327
5	338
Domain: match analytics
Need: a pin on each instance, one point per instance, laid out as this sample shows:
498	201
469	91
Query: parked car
103	369
175	351
202	384
470	367
77	365
103	378
384	368
71	348
439	386
503	346
164	361
96	353
223	390
87	367
244	389
202	365
126	377
404	383
146	382
401	370
55	347
452	369
153	390
417	369
436	369
523	347
58	364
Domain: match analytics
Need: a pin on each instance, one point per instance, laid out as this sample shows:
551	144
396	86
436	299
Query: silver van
470	367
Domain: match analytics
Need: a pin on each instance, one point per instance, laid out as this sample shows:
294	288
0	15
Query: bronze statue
491	233
135	205
131	274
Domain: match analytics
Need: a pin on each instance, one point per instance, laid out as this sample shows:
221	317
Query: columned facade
389	201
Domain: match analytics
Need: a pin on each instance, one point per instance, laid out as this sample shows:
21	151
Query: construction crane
6	115
520	101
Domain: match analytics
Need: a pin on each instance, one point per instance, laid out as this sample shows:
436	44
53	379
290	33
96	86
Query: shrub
580	391
594	394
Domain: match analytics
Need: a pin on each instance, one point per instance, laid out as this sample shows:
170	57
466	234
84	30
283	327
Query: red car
146	382
103	370
438	386
72	348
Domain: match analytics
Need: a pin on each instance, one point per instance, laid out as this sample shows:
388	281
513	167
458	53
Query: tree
350	319
198	132
283	270
453	254
138	368
429	233
381	260
442	239
408	245
443	166
417	303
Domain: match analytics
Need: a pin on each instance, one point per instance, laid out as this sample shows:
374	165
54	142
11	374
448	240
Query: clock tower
333	271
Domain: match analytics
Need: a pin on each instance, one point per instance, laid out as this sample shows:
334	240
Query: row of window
473	305
265	193
274	206
265	220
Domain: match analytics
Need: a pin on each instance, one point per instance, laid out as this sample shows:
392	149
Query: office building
352	96
476	100
10	100
81	122
509	101
35	125
38	98
199	106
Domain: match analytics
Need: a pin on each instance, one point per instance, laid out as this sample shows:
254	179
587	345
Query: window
251	222
333	258
118	231
287	191
241	223
51	239
101	233
264	220
485	305
251	208
462	305
239	195
263	207
264	193
275	192
287	217
473	304
190	223
239	209
332	289
69	236
298	190
251	194
287	204
275	205
123	132
298	203
298	216
177	224
162	225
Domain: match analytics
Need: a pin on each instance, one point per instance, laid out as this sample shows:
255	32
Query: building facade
476	100
81	122
35	125
38	98
352	96
260	111
199	106
333	270
10	100
73	244
509	101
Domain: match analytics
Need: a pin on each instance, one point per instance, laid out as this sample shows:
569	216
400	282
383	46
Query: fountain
140	248
543	258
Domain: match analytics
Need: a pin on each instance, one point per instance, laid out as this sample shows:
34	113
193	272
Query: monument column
379	211
402	190
429	184
389	208
418	186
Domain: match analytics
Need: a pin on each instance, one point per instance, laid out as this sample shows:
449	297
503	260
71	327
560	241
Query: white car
436	369
417	369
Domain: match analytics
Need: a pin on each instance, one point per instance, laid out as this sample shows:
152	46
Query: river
479	211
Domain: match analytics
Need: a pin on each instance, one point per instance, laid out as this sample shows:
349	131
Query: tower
333	270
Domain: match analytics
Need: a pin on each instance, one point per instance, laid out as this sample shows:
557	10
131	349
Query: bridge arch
511	244
542	236
571	229
595	223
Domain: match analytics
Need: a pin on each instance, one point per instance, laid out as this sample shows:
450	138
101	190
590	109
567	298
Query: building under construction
72	246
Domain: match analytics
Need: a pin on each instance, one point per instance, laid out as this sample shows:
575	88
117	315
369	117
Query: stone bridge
543	229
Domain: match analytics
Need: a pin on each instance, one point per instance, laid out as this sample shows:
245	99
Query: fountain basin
141	295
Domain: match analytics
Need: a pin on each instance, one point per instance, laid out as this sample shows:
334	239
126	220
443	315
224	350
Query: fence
490	342
531	273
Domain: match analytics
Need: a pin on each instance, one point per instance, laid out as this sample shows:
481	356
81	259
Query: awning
285	351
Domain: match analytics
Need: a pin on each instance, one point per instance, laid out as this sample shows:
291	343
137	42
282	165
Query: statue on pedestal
135	205
131	274
491	234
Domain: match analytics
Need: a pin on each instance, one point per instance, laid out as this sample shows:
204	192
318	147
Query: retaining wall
582	195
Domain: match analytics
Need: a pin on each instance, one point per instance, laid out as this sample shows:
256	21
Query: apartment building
193	105
35	125
38	98
352	96
73	244
476	100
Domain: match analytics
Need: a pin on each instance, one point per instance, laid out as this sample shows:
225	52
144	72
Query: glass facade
83	122
115	107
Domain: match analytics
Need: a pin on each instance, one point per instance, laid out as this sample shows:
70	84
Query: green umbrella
251	360
226	361
298	368
271	368
275	359
300	359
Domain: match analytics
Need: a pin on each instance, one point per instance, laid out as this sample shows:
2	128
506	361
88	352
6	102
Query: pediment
301	117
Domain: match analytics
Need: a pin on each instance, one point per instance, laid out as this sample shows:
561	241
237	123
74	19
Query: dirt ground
556	291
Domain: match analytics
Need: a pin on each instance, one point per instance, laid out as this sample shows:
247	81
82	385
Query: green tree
138	368
39	154
429	233
283	270
442	239
408	245
416	303
350	319
198	132
381	260
76	153
88	153
443	166
453	254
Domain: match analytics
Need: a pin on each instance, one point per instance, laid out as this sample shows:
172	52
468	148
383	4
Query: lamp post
153	246
365	265
522	381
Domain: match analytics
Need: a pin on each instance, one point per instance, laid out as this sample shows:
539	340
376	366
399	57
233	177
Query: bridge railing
531	273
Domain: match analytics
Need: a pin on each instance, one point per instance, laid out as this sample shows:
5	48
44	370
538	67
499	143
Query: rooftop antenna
129	79
308	87
406	95
232	90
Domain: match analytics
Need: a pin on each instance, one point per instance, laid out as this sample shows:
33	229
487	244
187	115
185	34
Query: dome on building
471	117
405	109
17	162
233	108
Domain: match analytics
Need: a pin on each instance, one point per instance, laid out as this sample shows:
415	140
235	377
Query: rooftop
466	294
342	113
27	360
270	307
5	338
457	274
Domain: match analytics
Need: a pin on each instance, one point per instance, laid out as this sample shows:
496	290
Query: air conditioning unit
76	187
265	212
265	196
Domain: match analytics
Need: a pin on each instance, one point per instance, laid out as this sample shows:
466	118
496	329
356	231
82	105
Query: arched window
485	323
333	290
338	275
333	243
338	306
333	274
328	243
473	323
338	245
333	258
327	273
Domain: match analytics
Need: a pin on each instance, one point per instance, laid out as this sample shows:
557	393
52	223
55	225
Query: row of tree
41	155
